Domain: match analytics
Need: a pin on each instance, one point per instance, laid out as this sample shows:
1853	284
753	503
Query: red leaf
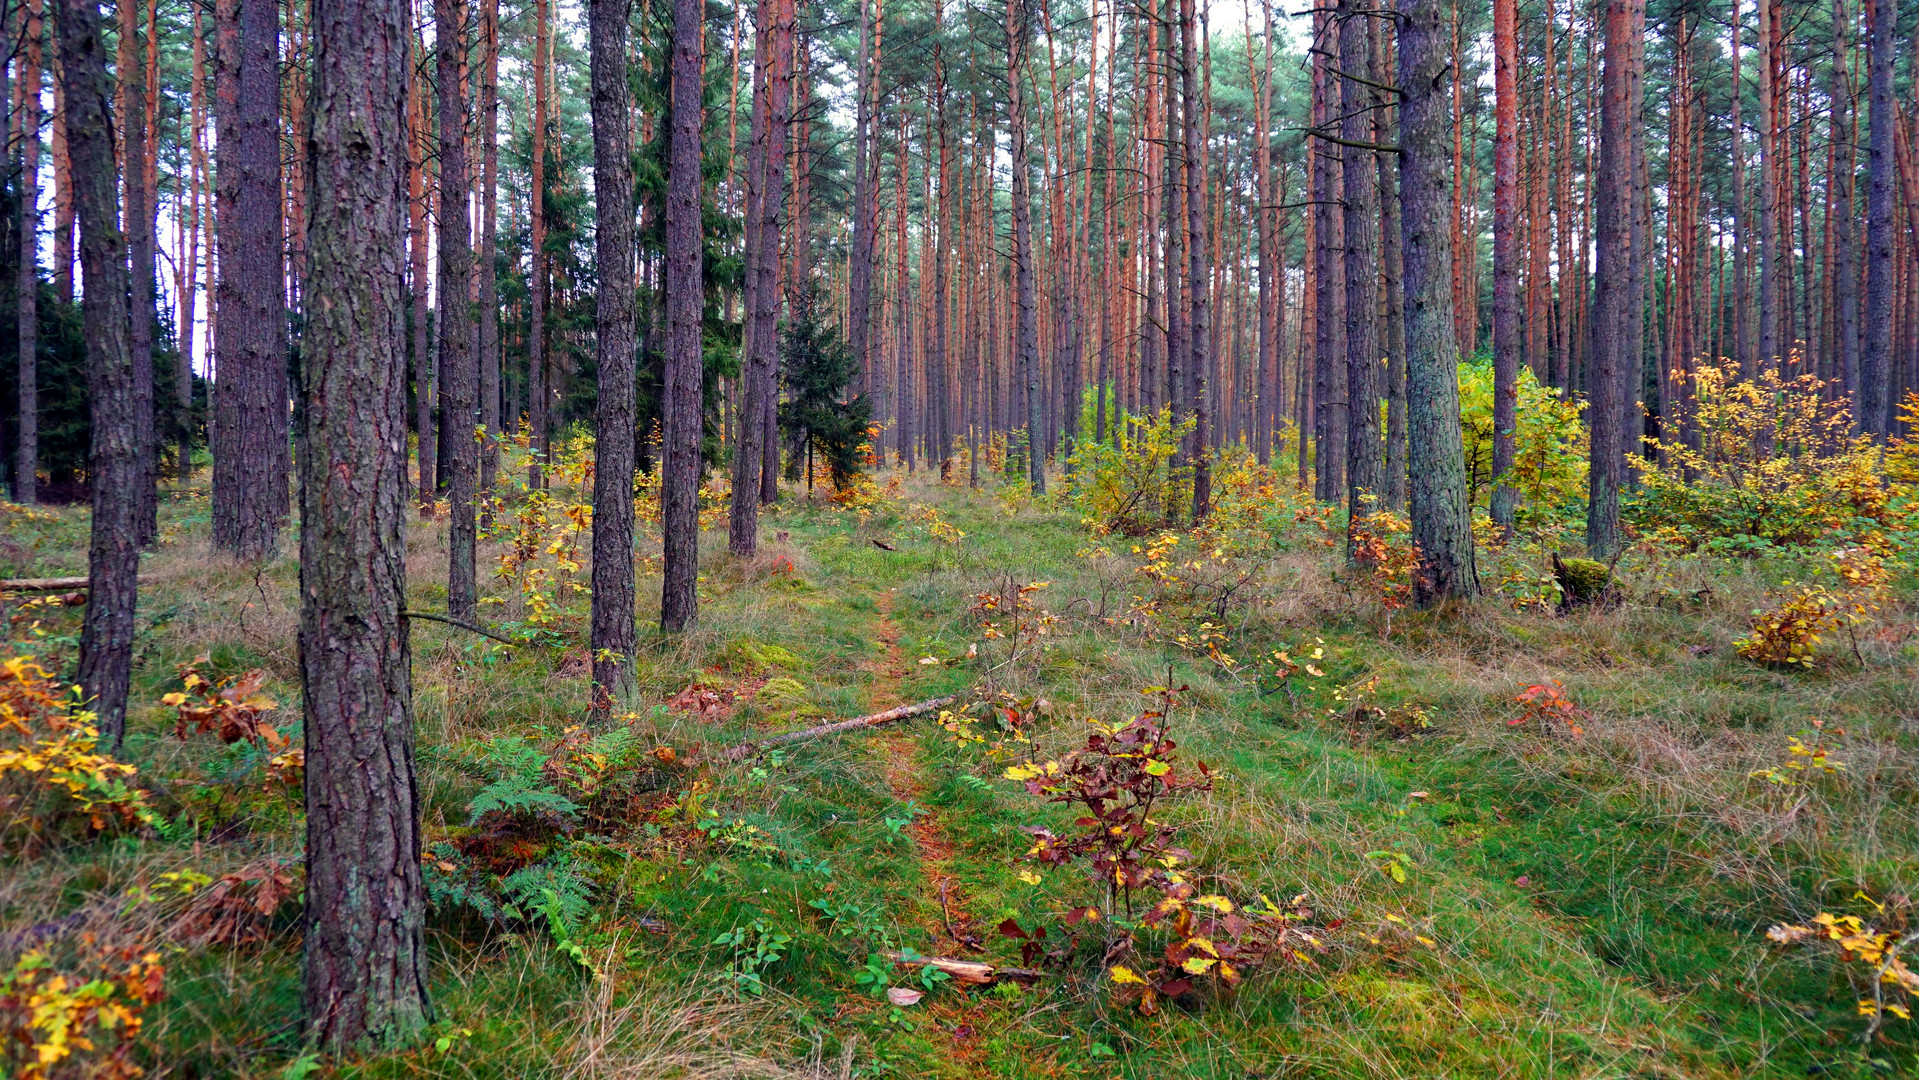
1011	929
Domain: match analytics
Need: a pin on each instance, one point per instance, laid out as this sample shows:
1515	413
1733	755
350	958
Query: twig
877	719
451	621
966	971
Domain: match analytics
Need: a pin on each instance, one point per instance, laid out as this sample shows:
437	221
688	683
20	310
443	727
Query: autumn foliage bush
53	778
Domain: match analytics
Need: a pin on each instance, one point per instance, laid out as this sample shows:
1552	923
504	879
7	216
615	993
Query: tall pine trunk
113	461
251	454
1329	346
1441	512
365	913
26	458
685	293
1505	252
1359	230
457	372
1027	300
1876	360
489	117
1612	303
1198	305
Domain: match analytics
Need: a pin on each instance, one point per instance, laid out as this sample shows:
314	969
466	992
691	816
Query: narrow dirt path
943	911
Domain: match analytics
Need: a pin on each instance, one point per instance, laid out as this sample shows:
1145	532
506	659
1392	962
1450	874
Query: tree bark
425	378
137	222
1198	294
865	209
113	461
1359	229
1441	513
1506	254
1876	360
26	460
1842	240
458	375
1027	300
1329	346
489	233
685	292
251	455
614	630
1612	303
364	954
537	395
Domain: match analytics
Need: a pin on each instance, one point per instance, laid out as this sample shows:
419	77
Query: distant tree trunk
365	962
865	209
538	397
1271	283
138	225
419	138
1392	283
1845	267
26	460
457	373
1876	362
1506	254
251	456
685	295
113	461
1016	32
1198	293
1769	167
614	630
1611	304
766	185
1359	229
1441	512
188	272
489	232
1329	347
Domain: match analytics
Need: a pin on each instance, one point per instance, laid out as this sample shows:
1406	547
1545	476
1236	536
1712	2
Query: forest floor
1580	898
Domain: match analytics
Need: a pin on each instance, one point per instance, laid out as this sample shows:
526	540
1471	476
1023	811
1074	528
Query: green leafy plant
754	948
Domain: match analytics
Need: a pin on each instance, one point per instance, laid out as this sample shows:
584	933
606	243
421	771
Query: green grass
1596	904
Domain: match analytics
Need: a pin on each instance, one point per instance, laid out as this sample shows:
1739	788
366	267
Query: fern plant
518	784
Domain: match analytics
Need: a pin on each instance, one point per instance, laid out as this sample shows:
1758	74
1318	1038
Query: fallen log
42	584
969	972
877	719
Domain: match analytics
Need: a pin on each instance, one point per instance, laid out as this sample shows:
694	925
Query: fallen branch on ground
42	584
966	971
451	621
873	720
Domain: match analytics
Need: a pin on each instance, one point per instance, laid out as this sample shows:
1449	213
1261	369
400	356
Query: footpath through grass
1583	898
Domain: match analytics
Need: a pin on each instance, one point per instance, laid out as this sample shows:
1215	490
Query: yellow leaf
1124	975
1217	903
1029	877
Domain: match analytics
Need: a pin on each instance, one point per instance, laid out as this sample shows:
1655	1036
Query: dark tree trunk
614	630
1391	281
765	193
1198	286
1441	514
1611	332
251	457
685	293
366	969
537	395
865	209
26	458
113	461
418	191
1016	31
489	273
458	376
1845	267
1359	231
1876	361
138	224
1506	253
1329	345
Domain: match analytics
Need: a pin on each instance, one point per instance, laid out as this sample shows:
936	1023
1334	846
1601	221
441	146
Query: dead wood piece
42	584
969	972
462	624
873	720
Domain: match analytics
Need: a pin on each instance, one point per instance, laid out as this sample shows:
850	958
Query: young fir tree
818	367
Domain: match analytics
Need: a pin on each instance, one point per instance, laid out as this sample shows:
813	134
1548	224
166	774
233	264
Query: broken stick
873	720
970	972
42	584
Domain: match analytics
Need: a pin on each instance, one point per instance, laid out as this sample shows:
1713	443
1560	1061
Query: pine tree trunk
251	464
865	208
685	293
113	461
489	234
365	962
1612	305
418	138
26	460
1876	360
458	372
1329	351
1392	283
1505	251
1359	227
537	395
614	629
742	531
1441	513
138	224
1198	300
1028	343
